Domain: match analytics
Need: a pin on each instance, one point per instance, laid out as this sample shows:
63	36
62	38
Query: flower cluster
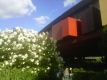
26	49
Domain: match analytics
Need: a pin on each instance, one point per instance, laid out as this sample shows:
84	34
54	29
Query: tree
103	44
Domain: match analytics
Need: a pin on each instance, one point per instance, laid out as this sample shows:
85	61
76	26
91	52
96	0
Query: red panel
70	27
57	31
65	28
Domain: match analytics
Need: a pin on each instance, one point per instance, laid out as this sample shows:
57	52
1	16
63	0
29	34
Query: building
103	9
78	32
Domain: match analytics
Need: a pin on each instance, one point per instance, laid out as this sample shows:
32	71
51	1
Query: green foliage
98	60
89	76
78	70
81	74
16	74
103	43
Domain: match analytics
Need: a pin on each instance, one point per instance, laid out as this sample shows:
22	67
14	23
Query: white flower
5	37
5	43
41	36
19	46
23	69
36	56
38	69
15	56
43	43
40	58
18	29
20	55
33	40
6	62
26	55
2	34
21	39
0	43
2	57
23	63
46	33
43	33
11	53
1	40
48	68
34	68
33	47
32	71
29	50
13	60
48	59
10	57
14	43
14	33
37	63
32	60
9	49
28	40
11	36
28	66
45	71
21	35
40	50
10	64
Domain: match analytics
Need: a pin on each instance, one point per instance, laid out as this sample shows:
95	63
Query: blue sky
31	14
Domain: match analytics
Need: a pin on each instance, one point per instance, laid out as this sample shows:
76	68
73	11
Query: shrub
89	76
81	74
26	50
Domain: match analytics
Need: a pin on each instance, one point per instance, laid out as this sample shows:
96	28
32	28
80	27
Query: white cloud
16	8
69	2
41	20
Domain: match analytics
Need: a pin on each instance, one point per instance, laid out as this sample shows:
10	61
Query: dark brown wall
90	20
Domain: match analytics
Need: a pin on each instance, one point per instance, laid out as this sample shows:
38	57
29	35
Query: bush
89	76
26	50
81	74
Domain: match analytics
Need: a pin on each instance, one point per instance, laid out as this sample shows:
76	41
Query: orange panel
57	31
70	27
